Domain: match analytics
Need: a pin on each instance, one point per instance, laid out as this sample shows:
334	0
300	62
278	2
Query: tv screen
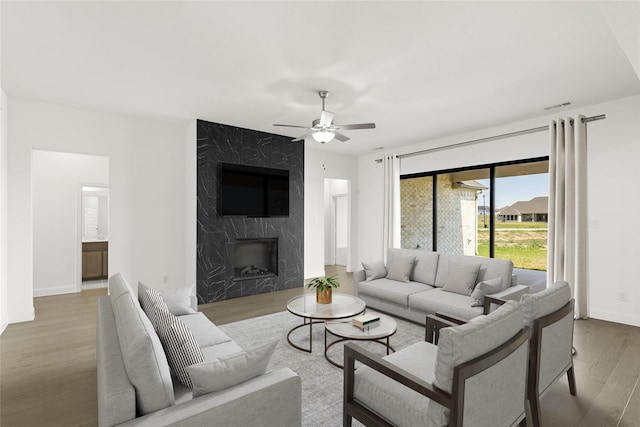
253	191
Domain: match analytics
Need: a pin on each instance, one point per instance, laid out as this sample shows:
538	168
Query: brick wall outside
457	216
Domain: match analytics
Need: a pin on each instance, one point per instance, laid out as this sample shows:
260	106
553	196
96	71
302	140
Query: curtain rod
490	138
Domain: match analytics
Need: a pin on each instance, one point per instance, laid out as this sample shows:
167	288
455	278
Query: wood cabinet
95	260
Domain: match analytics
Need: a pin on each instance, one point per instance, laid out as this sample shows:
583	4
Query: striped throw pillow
151	300
179	344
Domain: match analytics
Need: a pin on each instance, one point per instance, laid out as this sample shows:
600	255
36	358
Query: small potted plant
323	286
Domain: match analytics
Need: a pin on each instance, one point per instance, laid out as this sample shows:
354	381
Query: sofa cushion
143	355
438	300
457	345
118	286
205	332
482	289
226	372
391	290
425	266
399	404
460	344
535	306
489	268
374	270
400	268
461	277
179	344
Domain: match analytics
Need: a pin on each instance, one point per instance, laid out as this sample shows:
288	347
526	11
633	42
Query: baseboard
54	290
609	316
3	326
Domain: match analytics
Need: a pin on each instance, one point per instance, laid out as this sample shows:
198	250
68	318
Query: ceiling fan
324	130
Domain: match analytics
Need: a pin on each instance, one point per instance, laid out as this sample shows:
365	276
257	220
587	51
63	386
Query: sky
515	188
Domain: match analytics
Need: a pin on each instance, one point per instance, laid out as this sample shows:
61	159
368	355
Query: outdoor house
534	210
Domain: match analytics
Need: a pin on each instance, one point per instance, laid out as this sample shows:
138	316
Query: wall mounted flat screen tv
252	191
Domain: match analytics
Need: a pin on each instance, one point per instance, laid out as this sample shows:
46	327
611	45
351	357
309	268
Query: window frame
492	180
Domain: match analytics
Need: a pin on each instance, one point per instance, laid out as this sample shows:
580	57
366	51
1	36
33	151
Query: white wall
4	319
147	187
56	180
614	205
320	164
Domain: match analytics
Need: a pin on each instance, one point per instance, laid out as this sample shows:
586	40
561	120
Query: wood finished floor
48	366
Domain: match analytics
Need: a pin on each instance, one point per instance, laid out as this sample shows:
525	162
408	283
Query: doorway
56	179
94	223
337	222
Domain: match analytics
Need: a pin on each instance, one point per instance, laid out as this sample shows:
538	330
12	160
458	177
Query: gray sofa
425	291
137	388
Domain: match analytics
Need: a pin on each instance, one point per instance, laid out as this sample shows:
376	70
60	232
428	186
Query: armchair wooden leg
572	381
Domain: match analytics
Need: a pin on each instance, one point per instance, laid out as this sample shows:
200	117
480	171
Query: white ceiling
419	70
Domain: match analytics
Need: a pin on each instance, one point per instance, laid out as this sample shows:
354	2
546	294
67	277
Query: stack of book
366	321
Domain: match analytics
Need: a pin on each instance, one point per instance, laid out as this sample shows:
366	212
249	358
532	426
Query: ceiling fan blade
357	126
303	137
326	117
341	137
291	126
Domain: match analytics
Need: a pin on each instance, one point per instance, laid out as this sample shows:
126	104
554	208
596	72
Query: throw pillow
150	300
461	277
179	344
400	268
179	300
228	371
374	270
487	287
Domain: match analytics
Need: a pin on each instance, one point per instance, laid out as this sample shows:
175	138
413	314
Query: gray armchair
477	374
549	314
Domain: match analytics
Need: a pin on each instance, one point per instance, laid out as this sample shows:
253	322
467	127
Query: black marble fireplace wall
217	144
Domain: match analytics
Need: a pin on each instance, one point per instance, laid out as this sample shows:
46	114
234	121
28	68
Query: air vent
378	148
554	107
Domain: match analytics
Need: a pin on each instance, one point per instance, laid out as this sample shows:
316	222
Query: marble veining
218	143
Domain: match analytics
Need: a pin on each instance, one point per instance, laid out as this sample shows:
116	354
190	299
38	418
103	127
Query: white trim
627	319
54	290
3	326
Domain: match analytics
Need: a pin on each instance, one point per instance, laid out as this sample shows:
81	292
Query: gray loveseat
137	388
428	286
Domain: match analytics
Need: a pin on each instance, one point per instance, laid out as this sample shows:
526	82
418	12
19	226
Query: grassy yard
526	248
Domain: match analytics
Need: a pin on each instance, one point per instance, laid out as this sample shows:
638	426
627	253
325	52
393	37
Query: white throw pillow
179	344
374	270
461	277
228	371
179	300
482	289
400	268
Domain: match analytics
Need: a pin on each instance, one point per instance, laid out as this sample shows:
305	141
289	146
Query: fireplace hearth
254	258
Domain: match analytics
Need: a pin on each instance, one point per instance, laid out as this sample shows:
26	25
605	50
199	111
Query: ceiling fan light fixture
323	136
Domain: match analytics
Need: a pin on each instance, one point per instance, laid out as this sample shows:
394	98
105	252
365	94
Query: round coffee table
342	306
347	331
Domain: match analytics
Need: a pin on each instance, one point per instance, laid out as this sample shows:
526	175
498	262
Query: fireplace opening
254	258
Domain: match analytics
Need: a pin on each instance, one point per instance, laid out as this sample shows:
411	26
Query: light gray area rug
322	383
